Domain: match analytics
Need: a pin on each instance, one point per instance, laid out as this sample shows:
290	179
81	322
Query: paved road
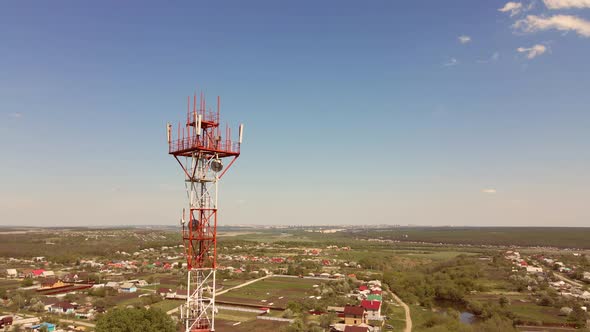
406	309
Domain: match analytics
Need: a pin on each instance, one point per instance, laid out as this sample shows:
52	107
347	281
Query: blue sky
418	112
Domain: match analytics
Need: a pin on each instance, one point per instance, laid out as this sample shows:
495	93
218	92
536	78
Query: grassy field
167	305
236	316
560	237
9	283
523	307
531	312
396	319
278	291
265	236
224	325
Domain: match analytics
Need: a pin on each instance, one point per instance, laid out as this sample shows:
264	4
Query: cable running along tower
200	148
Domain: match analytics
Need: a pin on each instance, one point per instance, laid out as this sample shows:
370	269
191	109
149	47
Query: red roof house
372	307
38	272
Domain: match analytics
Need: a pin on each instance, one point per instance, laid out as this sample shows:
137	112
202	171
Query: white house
62	308
11	273
141	283
128	288
48	274
372	308
534	269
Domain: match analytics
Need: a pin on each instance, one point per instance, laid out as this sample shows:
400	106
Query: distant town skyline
424	113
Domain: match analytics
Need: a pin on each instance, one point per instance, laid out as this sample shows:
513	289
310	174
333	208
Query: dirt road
407	310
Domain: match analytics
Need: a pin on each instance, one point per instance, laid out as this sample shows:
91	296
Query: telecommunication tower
200	148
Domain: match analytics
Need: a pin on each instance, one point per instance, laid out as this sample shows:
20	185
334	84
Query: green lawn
523	307
9	283
397	318
167	305
535	313
274	290
236	316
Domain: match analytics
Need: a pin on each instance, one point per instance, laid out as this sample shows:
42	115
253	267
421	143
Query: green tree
546	301
27	282
70	297
38	307
578	317
496	324
135	320
327	319
3	293
288	313
503	300
297	326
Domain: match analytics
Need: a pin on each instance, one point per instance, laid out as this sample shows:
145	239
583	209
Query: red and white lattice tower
200	148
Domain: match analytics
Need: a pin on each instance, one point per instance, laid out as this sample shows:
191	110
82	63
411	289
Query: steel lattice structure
200	148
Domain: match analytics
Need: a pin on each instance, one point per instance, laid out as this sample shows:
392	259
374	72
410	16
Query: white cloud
562	4
513	7
533	52
565	23
489	191
464	39
451	62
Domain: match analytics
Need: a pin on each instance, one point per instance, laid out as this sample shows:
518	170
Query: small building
48	302
375	283
11	273
25	273
163	291
534	269
354	315
141	283
52	283
62	308
128	288
84	313
48	274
